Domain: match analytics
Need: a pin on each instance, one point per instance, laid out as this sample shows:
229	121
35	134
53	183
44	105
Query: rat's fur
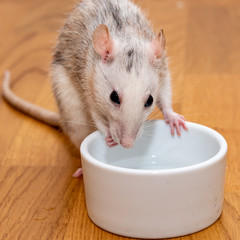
106	46
82	83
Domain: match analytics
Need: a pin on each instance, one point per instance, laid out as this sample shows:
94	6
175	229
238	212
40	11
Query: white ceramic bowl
163	187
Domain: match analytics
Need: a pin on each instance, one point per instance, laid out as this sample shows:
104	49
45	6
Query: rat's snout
125	133
128	136
127	142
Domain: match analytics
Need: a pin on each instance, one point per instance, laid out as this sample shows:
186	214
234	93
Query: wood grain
38	197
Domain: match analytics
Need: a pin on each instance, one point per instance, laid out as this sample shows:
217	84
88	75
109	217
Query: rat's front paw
175	121
110	142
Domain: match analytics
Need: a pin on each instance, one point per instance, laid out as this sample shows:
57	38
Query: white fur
73	111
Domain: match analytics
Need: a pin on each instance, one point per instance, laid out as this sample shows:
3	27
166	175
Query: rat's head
126	82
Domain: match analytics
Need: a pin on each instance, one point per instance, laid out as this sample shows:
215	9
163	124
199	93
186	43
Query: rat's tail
31	109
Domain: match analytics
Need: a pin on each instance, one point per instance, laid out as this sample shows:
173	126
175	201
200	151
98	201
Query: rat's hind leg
75	118
77	129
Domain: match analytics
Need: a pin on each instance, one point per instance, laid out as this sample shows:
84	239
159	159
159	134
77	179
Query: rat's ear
158	45
103	43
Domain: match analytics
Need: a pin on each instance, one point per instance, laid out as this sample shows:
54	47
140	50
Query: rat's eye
114	97
149	101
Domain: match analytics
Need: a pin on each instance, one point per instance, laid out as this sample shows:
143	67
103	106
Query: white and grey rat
109	70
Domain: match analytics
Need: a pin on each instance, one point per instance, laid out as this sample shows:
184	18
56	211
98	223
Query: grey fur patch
114	9
130	58
57	57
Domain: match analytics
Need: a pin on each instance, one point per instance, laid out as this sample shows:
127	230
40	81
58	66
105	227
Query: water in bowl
154	162
160	151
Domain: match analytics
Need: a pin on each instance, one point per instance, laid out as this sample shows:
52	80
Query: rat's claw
182	122
175	121
177	126
171	126
110	142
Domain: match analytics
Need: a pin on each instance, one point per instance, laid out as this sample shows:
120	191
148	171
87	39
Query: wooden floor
38	197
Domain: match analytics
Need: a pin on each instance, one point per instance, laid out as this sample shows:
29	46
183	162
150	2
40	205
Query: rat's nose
127	142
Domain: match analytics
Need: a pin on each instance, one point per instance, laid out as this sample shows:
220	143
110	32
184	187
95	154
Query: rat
109	71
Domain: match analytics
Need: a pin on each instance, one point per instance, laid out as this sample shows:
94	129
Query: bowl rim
207	163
